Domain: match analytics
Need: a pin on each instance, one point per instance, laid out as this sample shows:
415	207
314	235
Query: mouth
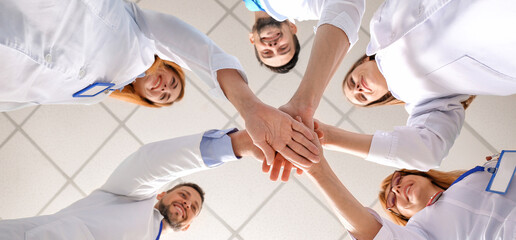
180	210
157	83
270	36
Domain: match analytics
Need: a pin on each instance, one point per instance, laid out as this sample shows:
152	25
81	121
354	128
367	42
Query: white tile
70	134
119	108
327	113
493	118
466	153
193	114
7	128
235	190
280	89
27	180
68	196
205	226
231	3
199	13
21	114
98	170
379	118
292	214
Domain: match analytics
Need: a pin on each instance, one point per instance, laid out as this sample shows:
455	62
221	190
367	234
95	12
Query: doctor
431	57
433	208
76	52
129	205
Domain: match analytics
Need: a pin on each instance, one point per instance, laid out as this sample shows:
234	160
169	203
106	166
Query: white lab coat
52	49
433	55
344	14
124	207
464	211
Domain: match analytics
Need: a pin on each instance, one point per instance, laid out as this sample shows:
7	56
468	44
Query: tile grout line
316	199
259	208
480	138
53	198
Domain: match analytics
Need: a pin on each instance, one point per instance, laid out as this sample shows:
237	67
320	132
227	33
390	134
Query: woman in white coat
432	208
432	56
78	52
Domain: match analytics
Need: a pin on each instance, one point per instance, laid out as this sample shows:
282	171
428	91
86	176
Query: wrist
240	141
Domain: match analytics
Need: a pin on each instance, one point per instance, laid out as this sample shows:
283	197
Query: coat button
48	58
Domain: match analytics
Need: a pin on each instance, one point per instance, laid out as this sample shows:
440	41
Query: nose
272	43
164	87
186	204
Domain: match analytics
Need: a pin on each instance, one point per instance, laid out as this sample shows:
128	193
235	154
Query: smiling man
129	205
274	32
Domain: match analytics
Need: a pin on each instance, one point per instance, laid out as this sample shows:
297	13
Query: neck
260	14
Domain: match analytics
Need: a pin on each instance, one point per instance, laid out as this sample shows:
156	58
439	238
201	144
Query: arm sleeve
391	231
344	14
181	43
144	172
430	133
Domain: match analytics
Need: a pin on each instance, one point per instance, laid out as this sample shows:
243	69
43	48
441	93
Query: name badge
93	90
505	169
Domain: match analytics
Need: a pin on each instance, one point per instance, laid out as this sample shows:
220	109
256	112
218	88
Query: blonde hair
128	94
388	98
438	178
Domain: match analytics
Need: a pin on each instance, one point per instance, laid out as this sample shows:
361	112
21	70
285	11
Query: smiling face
365	84
410	194
274	41
160	86
179	207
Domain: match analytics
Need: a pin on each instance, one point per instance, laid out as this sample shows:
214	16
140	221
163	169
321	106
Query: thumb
267	150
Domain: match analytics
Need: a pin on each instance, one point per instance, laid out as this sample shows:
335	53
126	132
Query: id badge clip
505	169
93	89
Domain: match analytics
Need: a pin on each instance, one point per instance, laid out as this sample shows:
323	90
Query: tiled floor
51	156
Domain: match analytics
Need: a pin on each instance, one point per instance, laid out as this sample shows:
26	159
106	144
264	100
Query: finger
276	169
267	150
295	158
299	171
287	169
301	128
302	151
316	124
307	144
265	167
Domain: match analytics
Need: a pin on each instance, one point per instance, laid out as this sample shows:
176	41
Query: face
365	84
409	194
179	207
161	86
274	41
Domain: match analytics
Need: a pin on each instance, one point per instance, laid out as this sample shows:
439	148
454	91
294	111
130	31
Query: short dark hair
288	66
192	185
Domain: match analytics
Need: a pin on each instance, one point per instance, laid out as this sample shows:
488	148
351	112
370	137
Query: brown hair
192	185
287	66
128	94
438	178
388	98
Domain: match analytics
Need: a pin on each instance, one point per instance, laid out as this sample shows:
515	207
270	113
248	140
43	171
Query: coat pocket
65	228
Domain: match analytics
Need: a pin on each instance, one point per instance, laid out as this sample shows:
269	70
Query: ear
251	38
293	27
160	196
186	227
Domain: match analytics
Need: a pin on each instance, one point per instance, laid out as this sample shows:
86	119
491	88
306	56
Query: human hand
272	130
320	128
275	169
243	145
296	108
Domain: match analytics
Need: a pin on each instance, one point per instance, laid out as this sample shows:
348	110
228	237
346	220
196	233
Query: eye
162	97
182	195
362	97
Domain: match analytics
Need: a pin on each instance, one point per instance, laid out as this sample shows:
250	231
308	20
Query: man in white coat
128	205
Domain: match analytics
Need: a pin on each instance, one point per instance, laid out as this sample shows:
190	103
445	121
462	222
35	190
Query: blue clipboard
505	170
93	89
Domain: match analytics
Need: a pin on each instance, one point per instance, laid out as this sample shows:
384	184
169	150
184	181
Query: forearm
349	142
355	217
237	91
329	48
